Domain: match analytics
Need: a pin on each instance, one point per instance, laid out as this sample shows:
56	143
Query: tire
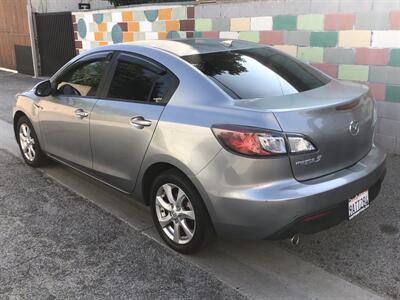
186	205
27	139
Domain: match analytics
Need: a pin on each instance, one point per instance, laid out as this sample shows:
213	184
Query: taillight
299	144
250	141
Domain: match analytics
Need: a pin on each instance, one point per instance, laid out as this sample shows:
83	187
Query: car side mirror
44	89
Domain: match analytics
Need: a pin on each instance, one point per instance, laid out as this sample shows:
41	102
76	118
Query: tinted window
163	87
257	72
131	82
83	80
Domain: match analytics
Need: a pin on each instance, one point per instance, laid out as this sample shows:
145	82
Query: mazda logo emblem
354	128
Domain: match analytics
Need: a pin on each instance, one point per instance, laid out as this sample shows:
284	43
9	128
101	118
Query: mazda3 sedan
216	136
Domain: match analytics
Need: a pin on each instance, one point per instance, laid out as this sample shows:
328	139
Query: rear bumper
276	210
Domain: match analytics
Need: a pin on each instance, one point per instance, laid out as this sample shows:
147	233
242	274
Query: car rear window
257	72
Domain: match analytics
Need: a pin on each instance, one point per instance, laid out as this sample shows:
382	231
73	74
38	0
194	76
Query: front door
123	122
65	116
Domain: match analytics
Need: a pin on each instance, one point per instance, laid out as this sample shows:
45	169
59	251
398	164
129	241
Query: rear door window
136	82
257	72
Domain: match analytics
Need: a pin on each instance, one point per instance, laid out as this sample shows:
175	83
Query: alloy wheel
27	142
175	213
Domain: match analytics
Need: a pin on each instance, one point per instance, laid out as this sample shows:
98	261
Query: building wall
48	6
349	40
14	30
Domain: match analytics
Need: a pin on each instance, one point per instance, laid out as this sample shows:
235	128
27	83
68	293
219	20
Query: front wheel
29	144
179	213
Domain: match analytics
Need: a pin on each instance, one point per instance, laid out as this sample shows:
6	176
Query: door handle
80	113
140	122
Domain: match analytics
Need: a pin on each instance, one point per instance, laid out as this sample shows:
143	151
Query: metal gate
55	41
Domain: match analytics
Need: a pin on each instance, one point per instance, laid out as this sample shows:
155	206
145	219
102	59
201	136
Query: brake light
250	141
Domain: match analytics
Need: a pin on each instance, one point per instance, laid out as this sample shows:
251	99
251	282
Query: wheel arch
17	115
143	188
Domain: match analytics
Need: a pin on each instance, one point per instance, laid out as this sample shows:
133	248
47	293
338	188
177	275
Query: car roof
185	47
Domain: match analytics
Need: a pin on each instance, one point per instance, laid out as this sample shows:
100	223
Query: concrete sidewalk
256	269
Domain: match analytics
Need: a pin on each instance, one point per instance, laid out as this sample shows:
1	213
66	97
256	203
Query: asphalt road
364	251
54	244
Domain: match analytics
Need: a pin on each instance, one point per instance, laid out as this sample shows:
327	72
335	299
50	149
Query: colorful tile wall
350	46
100	28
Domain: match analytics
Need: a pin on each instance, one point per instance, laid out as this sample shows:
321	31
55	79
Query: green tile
251	36
392	93
203	25
93	27
197	34
138	36
323	39
138	15
284	22
159	26
310	22
353	72
394	59
94	44
107	17
311	54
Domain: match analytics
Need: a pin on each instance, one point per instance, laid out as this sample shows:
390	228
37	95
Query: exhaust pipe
295	240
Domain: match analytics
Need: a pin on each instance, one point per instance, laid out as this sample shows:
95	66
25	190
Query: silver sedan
216	136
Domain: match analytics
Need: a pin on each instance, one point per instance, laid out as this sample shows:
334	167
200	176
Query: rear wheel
29	144
179	213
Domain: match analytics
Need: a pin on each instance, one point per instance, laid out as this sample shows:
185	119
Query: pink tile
329	69
378	90
271	37
210	34
339	21
395	19
370	56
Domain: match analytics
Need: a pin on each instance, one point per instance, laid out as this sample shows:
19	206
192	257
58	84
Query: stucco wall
349	40
48	6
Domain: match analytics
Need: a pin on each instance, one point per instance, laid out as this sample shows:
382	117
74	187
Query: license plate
357	204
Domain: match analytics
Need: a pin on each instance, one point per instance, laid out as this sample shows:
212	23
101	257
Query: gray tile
339	56
299	38
324	7
385	5
221	24
351	6
388	110
388	127
211	10
372	21
384	74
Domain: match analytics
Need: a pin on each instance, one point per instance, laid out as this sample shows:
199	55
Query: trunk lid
337	118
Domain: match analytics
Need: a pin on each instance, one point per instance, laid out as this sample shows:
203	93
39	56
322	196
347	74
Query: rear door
64	116
124	119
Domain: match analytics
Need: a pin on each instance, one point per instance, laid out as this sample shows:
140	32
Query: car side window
133	81
83	80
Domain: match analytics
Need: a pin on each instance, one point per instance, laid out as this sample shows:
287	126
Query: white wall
47	6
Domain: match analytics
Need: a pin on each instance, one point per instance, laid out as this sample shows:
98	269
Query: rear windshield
257	72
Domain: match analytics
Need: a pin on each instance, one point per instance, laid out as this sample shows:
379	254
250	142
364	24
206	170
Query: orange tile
164	14
98	36
103	27
127	16
103	43
128	36
133	26
162	35
172	25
